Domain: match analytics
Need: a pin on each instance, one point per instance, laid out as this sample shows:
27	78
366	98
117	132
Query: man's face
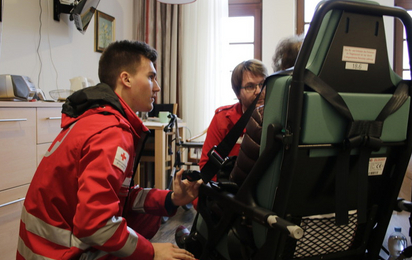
144	87
246	97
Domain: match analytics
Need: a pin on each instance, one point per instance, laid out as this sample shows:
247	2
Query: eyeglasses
251	88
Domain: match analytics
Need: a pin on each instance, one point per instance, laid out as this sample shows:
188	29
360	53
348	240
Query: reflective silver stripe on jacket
67	239
130	245
138	203
51	233
104	233
27	253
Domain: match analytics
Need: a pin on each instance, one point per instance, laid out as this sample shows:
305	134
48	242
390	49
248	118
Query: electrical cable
38	46
190	132
1	27
48	39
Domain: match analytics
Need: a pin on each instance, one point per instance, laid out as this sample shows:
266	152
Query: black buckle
215	157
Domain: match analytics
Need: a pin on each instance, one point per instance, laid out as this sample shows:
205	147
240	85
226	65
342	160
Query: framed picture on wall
104	30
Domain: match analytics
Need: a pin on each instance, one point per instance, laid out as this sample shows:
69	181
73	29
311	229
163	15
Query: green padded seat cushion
322	124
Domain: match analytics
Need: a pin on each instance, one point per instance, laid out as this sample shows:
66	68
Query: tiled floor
167	230
401	219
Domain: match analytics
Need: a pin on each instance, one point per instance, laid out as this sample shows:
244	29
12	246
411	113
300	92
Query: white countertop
30	104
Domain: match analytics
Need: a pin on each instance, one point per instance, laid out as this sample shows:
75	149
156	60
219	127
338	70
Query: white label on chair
376	166
359	55
356	66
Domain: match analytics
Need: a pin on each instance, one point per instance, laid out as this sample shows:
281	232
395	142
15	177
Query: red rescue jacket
224	119
74	207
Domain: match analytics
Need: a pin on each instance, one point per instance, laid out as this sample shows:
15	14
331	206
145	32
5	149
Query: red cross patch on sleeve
121	159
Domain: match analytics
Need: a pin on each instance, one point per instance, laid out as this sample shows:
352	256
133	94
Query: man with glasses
284	58
247	81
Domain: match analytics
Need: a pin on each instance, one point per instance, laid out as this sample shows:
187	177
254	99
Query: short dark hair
256	67
121	56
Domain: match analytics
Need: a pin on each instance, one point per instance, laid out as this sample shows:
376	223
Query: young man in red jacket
80	204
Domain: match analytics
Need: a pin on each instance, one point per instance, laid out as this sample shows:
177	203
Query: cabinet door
17	146
9	228
48	124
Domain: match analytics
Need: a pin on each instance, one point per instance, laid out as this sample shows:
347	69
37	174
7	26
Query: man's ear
125	79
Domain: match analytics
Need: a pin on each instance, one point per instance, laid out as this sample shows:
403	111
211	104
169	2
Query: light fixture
176	2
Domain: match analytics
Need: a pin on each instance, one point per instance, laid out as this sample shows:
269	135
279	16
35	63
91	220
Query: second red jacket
75	206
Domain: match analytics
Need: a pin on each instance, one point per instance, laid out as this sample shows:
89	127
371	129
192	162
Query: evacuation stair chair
336	142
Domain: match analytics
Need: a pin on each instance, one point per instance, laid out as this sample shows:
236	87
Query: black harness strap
218	154
398	99
362	134
328	93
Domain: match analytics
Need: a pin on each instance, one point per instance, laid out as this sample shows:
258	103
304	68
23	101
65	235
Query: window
401	57
245	36
305	11
241	39
245	17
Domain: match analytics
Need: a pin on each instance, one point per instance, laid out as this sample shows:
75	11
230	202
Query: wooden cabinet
48	127
26	132
9	229
18	145
48	124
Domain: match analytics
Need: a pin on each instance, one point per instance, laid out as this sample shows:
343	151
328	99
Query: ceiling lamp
176	2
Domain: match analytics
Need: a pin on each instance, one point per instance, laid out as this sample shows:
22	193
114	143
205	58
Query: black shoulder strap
361	134
218	154
399	97
328	93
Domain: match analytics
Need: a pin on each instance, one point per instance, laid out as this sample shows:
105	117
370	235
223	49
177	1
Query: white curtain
204	77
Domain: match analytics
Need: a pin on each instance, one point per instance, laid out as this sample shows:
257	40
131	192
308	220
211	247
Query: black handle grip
191	175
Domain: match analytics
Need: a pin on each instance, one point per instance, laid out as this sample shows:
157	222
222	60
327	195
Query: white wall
279	22
71	51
